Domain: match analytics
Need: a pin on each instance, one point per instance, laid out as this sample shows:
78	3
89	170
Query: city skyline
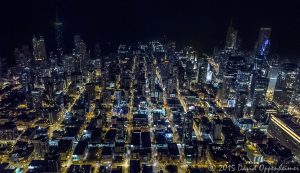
149	88
202	24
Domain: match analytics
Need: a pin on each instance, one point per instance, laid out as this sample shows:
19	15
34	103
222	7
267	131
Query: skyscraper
228	91
258	100
232	81
41	145
53	161
77	40
217	129
187	128
286	86
58	37
261	51
80	52
273	75
262	46
242	92
259	90
231	39
39	48
202	64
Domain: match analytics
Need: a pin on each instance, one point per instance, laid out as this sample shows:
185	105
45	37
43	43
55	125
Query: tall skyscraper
242	92
77	40
259	88
80	52
228	90
217	129
231	39
41	145
273	75
286	86
58	26
54	162
39	49
98	56
261	51
202	64
234	80
187	128
258	97
262	46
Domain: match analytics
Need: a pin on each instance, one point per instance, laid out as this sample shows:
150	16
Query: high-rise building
8	131
261	51
58	33
259	90
53	161
36	96
262	46
58	26
202	65
242	89
231	39
99	60
241	102
258	98
228	91
90	90
217	129
188	128
286	86
286	129
23	56
52	114
80	52
39	49
40	145
234	80
69	64
118	97
77	41
273	75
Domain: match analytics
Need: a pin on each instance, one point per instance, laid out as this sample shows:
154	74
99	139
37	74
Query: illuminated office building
286	129
187	128
234	79
217	129
242	92
286	86
80	53
41	145
273	75
231	39
58	35
202	70
259	97
39	49
262	50
259	91
262	46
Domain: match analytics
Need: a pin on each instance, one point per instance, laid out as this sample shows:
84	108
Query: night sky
202	23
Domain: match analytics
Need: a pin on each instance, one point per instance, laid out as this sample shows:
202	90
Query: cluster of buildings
148	107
